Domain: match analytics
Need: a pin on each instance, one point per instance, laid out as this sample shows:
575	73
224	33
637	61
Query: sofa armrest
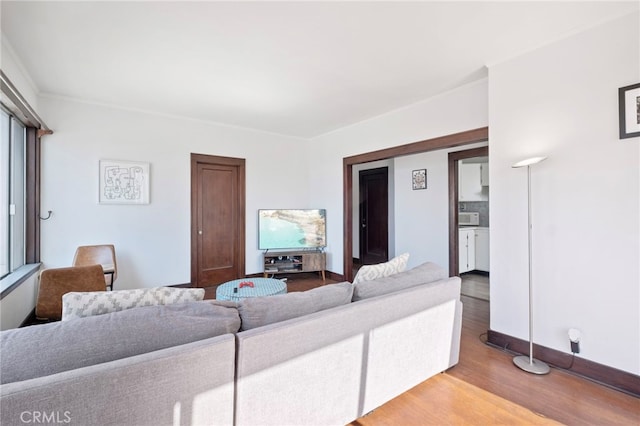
187	384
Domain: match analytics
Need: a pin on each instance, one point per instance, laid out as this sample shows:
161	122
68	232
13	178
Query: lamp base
531	365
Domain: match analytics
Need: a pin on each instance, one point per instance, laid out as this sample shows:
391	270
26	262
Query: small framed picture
123	182
629	111
419	179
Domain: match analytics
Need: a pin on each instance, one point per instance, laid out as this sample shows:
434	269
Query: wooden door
374	216
217	219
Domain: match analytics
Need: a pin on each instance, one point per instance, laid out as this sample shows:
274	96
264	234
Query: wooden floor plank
446	400
558	395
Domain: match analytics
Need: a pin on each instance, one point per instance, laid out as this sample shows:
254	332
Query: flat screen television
292	229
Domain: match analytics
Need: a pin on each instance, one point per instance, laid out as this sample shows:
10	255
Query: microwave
468	218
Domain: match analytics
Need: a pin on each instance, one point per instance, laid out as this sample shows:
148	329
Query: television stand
292	262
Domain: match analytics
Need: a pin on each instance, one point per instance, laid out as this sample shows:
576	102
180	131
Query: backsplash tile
482	207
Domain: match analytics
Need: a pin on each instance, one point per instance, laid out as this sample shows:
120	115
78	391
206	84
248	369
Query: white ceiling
295	68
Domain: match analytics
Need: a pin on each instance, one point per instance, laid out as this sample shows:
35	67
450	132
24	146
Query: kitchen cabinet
482	249
473	249
470	182
466	250
484	174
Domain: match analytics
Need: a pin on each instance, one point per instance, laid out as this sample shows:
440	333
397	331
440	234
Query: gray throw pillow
45	349
259	311
422	274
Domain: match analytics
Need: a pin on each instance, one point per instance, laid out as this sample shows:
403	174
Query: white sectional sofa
327	367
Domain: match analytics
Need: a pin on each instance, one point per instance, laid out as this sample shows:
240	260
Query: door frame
454	158
449	141
240	253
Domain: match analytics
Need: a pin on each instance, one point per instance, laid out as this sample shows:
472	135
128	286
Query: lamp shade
528	162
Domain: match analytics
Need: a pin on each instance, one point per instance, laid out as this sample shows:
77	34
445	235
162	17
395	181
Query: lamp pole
530	364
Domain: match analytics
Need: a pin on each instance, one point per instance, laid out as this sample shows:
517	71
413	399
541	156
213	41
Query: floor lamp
528	363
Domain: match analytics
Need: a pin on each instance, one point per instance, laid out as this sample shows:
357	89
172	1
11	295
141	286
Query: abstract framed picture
419	179
629	111
123	182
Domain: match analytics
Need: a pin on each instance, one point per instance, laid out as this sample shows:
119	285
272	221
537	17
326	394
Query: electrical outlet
575	347
574	340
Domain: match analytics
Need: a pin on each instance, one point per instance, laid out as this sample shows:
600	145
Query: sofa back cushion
46	349
259	311
421	274
84	304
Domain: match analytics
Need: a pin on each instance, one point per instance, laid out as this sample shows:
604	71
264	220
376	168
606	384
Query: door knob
199	232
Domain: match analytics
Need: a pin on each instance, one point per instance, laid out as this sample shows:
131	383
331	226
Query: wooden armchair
104	255
57	281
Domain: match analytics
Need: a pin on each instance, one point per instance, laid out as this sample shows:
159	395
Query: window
12	193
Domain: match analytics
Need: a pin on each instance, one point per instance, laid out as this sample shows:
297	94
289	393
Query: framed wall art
123	182
419	179
629	111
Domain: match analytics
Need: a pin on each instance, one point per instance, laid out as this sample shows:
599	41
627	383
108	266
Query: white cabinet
473	249
482	249
470	181
466	250
484	174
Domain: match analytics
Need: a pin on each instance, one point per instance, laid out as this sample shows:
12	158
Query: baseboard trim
617	379
334	276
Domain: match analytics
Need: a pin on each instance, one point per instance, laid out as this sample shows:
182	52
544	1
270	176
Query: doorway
454	200
448	141
217	219
374	215
469	239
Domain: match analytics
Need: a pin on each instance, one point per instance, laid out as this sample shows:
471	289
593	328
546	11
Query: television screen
291	229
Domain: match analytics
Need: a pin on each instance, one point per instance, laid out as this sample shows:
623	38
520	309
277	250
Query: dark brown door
374	216
217	219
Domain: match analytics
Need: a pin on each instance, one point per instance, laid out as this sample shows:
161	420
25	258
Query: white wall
561	101
16	72
462	109
18	305
152	241
422	226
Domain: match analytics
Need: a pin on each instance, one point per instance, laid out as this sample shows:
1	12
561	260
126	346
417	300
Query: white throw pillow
371	272
84	304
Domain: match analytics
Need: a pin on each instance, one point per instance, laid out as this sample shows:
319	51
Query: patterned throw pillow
372	272
84	304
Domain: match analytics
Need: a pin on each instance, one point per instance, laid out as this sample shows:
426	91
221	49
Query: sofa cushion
41	350
84	304
380	270
422	274
259	311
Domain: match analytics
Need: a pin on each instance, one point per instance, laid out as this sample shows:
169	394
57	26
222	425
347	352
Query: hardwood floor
491	390
486	388
559	395
450	401
475	285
